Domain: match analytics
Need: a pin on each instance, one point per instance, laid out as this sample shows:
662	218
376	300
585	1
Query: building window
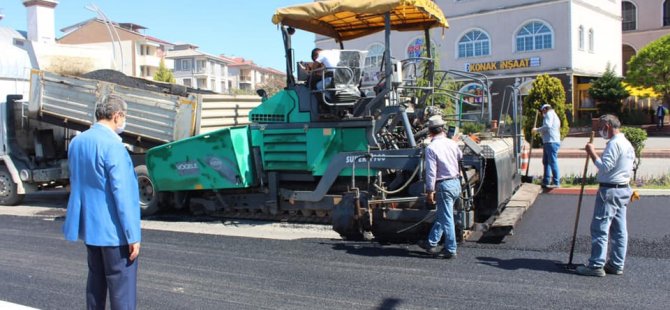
145	50
187	82
534	36
591	39
186	65
628	15
474	43
581	37
627	53
666	13
373	64
145	70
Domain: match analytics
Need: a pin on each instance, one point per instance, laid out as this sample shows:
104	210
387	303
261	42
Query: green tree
163	74
546	89
608	92
651	67
637	137
273	84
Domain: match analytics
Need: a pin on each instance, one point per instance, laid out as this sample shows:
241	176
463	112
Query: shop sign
503	64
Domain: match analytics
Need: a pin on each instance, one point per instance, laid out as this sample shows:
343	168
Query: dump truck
36	132
336	154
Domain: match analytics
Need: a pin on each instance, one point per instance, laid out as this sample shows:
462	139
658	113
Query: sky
234	28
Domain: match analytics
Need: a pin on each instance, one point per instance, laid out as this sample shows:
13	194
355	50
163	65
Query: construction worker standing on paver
615	168
551	139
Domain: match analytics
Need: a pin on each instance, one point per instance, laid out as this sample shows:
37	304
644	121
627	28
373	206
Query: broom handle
579	203
530	149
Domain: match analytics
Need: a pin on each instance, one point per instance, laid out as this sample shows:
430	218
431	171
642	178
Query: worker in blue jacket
104	209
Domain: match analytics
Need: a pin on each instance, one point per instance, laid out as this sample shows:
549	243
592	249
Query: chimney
41	24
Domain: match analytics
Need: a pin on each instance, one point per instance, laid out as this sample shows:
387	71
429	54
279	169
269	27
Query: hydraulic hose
401	188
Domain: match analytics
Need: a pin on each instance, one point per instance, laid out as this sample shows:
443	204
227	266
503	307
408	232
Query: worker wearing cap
608	226
551	139
443	187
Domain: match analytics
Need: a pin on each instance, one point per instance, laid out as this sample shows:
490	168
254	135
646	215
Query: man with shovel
615	168
551	139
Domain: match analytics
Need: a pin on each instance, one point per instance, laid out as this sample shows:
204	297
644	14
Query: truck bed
153	117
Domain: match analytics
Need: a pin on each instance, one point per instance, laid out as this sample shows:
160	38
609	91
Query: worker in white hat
551	139
443	187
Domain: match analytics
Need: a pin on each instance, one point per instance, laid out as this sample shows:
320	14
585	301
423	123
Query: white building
193	68
36	49
572	40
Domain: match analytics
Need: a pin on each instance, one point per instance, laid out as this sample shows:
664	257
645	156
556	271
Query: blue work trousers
609	224
109	268
447	192
550	162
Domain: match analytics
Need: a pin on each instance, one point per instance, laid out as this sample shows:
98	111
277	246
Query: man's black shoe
449	255
430	249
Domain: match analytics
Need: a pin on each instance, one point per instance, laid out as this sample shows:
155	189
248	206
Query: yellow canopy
349	19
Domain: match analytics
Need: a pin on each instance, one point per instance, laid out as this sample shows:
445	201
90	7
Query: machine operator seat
343	81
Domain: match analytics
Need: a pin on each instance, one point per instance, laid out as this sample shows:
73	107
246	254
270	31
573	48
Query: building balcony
151	61
203	72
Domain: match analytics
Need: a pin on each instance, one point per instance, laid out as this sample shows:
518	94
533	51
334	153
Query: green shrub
637	137
635	117
472	127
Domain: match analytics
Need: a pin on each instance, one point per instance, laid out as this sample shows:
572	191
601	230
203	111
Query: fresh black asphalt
191	271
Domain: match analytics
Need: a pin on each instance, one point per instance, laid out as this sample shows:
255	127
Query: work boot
609	269
430	249
591	271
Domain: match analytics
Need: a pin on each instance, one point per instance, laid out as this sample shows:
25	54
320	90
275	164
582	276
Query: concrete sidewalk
573	147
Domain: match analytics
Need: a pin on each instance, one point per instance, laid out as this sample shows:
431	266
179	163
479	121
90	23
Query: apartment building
512	41
247	75
197	69
36	48
643	21
134	53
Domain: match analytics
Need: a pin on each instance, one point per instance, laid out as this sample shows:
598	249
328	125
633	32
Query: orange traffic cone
524	158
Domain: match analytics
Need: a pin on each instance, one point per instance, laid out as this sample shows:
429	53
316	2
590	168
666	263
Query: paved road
199	271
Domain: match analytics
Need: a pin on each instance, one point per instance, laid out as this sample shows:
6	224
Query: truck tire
8	193
149	202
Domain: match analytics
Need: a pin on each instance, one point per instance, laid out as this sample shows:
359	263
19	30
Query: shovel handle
579	203
530	147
